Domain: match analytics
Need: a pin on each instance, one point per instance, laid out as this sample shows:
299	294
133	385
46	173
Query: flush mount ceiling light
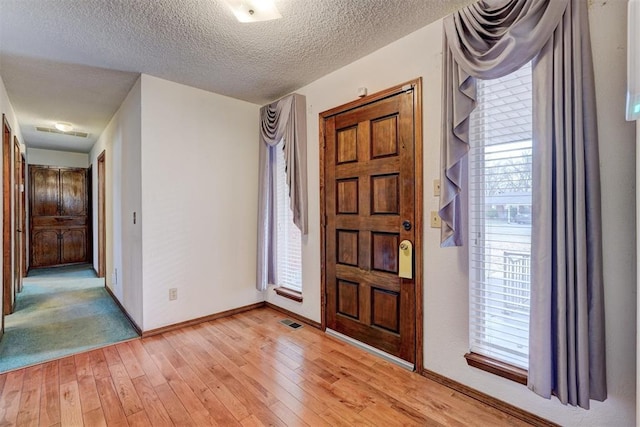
64	127
253	10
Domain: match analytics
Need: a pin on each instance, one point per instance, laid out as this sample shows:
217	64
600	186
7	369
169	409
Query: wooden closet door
59	216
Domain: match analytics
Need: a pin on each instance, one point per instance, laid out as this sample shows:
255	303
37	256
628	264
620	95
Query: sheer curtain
493	38
286	120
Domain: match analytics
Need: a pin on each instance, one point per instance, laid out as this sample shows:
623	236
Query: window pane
288	238
500	178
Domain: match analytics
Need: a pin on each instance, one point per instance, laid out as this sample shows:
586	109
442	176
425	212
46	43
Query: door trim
419	214
23	213
102	249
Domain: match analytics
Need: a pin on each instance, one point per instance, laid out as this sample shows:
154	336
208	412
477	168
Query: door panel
369	169
44	248
73	191
45	201
73	245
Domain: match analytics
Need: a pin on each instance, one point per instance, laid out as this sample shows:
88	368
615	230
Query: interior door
102	264
370	192
17	217
7	284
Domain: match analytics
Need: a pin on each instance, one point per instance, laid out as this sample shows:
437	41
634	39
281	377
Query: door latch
405	257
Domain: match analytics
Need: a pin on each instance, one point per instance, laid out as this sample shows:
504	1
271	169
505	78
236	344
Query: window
289	257
500	178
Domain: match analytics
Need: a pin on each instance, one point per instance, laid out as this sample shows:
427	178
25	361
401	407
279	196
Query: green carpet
60	312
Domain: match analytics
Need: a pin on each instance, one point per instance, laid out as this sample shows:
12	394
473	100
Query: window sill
496	367
289	293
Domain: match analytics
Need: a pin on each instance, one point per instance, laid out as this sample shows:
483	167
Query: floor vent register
291	323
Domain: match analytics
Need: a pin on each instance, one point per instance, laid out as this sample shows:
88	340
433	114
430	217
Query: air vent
54	130
291	323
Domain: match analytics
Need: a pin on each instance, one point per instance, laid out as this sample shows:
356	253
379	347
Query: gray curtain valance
485	40
283	120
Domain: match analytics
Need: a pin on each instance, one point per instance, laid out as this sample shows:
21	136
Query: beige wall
121	142
199	202
36	156
446	270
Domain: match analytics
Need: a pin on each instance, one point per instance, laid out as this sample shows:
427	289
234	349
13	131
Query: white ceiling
75	60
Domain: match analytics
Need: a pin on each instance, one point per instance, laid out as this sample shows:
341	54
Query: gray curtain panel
285	119
490	39
567	342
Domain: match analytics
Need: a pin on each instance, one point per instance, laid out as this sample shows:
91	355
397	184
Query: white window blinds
289	259
500	177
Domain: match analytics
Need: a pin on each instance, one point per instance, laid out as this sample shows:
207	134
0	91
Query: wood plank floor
247	370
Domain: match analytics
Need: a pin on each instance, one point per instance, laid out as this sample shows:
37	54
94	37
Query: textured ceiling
75	60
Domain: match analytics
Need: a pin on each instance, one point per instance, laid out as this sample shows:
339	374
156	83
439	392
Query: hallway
61	311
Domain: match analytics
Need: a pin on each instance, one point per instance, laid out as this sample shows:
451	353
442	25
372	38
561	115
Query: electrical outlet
435	220
436	187
173	294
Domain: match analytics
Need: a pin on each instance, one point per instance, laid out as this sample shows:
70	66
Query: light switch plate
436	187
435	220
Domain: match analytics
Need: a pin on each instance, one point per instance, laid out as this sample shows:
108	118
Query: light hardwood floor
247	370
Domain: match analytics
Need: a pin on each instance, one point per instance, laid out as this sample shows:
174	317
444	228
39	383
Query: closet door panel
44	191
73	245
45	249
73	191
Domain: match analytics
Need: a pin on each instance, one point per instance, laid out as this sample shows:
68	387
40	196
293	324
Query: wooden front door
372	197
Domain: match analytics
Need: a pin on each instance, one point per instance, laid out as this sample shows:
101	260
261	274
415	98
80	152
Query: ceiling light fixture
63	127
253	10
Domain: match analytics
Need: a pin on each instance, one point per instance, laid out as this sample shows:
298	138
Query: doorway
371	208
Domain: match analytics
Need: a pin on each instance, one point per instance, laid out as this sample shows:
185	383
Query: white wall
445	270
37	156
121	141
7	109
199	198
